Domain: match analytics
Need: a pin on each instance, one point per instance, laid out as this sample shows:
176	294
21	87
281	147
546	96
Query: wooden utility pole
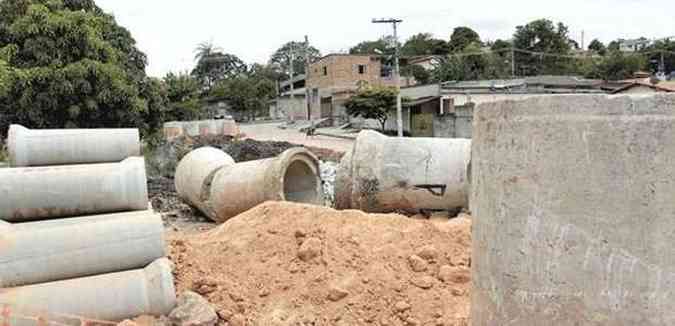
513	62
397	71
291	59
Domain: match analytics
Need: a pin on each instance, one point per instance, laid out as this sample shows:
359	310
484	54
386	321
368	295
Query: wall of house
285	108
416	92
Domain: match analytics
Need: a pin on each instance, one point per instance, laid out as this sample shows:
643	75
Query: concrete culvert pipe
194	175
110	297
222	190
30	194
385	174
48	251
70	146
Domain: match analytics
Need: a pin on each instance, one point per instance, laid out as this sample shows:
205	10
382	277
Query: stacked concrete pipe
386	174
76	263
70	146
208	179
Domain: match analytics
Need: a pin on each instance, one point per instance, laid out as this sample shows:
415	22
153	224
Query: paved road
271	132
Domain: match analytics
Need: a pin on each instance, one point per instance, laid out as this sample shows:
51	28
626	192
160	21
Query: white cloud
168	31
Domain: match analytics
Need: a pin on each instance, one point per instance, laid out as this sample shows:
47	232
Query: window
325	71
362	69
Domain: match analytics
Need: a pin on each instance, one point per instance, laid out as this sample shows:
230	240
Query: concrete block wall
574	211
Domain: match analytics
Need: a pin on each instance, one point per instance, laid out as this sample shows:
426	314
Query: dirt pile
291	264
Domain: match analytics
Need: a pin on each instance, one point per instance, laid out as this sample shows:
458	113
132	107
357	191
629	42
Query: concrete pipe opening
301	183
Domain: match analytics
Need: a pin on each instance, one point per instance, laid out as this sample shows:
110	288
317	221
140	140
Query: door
326	107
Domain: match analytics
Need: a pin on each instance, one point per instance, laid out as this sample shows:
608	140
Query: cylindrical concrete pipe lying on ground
54	250
575	217
109	297
70	146
29	194
220	189
385	174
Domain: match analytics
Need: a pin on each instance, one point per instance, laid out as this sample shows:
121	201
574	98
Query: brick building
336	77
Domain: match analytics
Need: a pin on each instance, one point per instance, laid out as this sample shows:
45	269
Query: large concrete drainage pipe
70	146
574	212
54	250
222	189
385	174
29	194
110	297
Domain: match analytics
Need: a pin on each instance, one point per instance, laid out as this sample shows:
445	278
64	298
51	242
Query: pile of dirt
292	264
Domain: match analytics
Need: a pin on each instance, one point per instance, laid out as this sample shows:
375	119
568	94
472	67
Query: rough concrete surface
574	217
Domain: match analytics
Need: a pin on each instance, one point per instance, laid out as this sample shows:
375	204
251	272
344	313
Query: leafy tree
424	44
68	64
282	57
469	64
542	36
213	65
500	46
653	55
616	66
183	95
462	37
597	47
248	94
385	45
614	45
373	103
421	75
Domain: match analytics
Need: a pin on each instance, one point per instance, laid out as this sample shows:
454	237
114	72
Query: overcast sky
169	30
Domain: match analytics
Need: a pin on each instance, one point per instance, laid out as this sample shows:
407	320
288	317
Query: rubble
284	264
193	310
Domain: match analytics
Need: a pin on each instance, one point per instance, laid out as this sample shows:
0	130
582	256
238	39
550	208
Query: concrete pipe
195	173
574	213
30	194
47	251
229	189
109	297
70	146
385	174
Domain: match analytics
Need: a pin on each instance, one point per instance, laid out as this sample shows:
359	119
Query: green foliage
472	64
248	94
597	47
653	54
616	66
421	75
424	44
542	36
384	45
282	57
373	103
213	65
68	64
183	94
500	45
462	37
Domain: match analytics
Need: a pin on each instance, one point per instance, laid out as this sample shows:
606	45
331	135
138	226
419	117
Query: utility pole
662	65
397	71
291	59
513	62
308	92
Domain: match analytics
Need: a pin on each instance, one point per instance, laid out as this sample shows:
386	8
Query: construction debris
388	174
292	264
70	146
193	310
209	180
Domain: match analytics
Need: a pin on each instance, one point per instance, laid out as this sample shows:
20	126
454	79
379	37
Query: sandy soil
271	132
291	264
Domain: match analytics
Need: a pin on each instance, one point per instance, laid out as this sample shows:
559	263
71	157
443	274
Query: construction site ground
292	264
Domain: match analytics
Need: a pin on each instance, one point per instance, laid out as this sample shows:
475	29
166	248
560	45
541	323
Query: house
335	78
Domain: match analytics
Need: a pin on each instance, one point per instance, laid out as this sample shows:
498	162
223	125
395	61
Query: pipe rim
286	160
16	139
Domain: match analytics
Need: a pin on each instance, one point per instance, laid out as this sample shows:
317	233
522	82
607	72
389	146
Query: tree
421	75
183	95
385	45
500	46
469	64
616	66
247	94
213	65
462	37
282	57
424	44
597	47
68	64
653	54
542	36
373	103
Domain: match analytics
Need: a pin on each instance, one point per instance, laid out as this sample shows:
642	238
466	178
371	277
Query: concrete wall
285	107
574	217
416	92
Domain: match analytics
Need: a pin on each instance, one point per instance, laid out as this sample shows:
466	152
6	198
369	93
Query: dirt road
272	132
